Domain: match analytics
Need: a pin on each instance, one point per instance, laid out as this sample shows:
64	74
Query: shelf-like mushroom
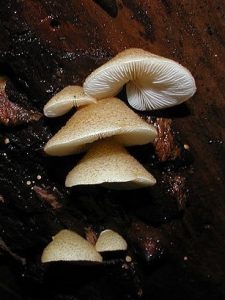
107	118
109	240
108	163
69	97
152	81
69	246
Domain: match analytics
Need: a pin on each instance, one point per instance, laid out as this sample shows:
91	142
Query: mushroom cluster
104	125
104	128
67	245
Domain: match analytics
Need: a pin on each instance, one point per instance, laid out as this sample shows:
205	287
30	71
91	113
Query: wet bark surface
175	230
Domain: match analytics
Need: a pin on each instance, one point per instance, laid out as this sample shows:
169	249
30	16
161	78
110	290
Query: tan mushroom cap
70	246
110	240
71	96
152	81
108	163
106	118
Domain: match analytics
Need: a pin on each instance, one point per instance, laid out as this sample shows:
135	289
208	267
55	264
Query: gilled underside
152	82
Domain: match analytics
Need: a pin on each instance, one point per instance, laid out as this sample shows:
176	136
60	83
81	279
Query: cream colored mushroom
70	246
152	81
108	163
71	96
110	240
108	117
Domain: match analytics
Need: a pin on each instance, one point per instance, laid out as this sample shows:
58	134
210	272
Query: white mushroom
106	118
70	246
110	240
108	163
152	81
71	96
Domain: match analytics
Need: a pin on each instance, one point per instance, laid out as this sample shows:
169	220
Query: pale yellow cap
110	240
62	102
70	246
108	163
108	117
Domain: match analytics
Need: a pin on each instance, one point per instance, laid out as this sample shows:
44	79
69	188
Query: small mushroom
108	163
108	117
71	96
69	246
152	81
110	240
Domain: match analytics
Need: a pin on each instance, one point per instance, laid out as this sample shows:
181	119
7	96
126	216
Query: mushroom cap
70	246
153	82
110	240
62	102
106	118
108	163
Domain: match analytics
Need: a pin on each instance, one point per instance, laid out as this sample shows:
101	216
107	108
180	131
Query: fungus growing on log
152	82
109	240
109	164
107	118
69	97
70	246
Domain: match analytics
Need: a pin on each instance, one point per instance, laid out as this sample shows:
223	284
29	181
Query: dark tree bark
176	229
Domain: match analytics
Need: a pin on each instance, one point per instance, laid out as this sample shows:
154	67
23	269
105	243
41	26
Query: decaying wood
12	114
46	45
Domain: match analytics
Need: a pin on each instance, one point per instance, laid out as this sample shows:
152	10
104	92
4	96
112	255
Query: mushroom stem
108	163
